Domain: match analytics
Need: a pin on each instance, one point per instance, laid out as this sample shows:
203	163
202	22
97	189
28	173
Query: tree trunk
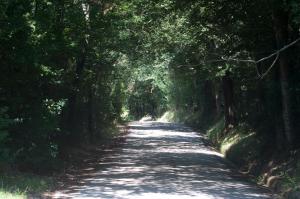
209	109
281	33
217	98
72	123
90	116
228	92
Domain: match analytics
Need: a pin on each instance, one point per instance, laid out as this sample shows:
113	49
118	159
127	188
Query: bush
33	143
4	124
241	144
146	99
15	186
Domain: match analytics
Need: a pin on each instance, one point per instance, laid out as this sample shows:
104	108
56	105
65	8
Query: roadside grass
241	145
215	132
292	181
7	195
246	149
17	186
181	116
168	116
178	116
241	148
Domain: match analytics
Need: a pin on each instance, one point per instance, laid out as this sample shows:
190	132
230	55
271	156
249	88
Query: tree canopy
72	69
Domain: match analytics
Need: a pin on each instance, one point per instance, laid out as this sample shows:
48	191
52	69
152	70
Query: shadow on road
162	160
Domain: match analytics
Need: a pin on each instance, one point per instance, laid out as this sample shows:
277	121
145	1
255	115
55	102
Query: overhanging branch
261	76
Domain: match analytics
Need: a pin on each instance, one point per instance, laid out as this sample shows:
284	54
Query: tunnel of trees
71	69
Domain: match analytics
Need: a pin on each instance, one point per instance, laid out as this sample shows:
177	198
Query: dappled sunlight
160	133
161	160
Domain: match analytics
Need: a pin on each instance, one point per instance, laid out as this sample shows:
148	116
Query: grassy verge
17	186
292	180
187	117
247	150
241	144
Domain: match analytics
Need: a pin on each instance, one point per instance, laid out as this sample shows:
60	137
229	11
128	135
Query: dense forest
71	70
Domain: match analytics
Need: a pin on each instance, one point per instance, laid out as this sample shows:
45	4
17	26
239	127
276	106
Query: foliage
71	69
215	132
291	182
4	123
146	99
57	77
242	147
18	186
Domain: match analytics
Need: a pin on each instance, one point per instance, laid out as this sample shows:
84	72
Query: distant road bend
163	161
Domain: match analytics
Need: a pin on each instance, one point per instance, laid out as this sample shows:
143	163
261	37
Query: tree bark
72	123
209	108
217	98
90	116
229	109
281	18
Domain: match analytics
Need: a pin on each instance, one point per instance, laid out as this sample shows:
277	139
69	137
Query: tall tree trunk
281	18
210	108
260	93
72	123
90	116
229	109
217	98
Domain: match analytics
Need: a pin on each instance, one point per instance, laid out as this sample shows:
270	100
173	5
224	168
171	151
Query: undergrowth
17	186
241	144
291	181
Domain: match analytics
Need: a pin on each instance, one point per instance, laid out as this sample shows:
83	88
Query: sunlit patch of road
163	161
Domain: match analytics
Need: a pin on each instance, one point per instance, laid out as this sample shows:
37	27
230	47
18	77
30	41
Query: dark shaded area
146	98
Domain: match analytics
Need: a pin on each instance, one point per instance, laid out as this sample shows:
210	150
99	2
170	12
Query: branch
269	69
261	76
239	60
279	51
265	58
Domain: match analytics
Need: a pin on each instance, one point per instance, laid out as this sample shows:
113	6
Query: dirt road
163	161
